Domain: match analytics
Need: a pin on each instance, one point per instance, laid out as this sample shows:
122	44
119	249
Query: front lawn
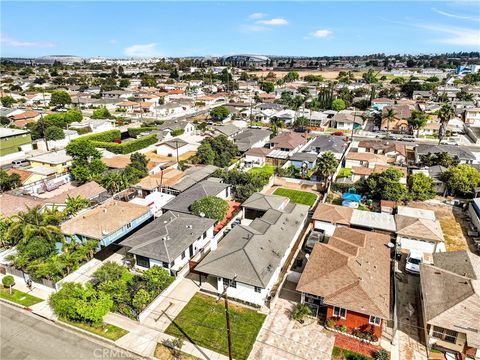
266	170
19	297
107	331
162	352
297	196
203	323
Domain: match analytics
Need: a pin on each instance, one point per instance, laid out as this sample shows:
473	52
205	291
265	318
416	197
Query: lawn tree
421	187
385	185
9	182
267	86
326	165
338	104
291	76
417	120
115	181
211	207
218	151
54	133
444	159
462	179
445	113
60	98
86	162
389	114
301	123
8	282
219	113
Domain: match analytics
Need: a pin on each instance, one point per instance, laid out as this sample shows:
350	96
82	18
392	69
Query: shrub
300	311
211	206
331	322
342	328
8	281
177	132
129	147
381	355
106	136
134	132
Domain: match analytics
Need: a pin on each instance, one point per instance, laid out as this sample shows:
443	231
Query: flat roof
416	213
5	132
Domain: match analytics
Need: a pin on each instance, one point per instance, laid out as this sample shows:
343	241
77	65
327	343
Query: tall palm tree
445	113
327	164
389	115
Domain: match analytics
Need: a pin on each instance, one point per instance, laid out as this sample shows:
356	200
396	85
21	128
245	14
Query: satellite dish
391	245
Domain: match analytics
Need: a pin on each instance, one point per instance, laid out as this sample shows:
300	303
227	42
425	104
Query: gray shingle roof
264	202
193	175
458	151
254	252
179	231
335	144
182	202
247	138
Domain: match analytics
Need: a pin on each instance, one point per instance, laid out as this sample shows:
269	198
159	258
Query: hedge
106	136
128	147
134	132
177	132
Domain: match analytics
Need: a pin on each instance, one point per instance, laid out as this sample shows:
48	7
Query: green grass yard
107	331
297	196
203	323
266	169
19	297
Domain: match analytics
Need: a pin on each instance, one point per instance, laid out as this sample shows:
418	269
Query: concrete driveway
281	338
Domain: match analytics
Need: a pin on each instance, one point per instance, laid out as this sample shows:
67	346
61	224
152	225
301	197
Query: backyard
266	169
297	196
203	323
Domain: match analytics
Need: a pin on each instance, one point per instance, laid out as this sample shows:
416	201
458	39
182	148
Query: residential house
399	123
192	176
391	149
90	191
26	117
471	117
323	143
450	303
422	95
380	103
256	156
208	187
300	159
228	130
250	258
365	159
161	182
347	120
349	278
95	125
175	147
464	155
170	241
58	161
11	204
171	125
251	138
107	223
288	142
258	204
14	141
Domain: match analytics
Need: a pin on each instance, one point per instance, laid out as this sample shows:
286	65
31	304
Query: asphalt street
26	336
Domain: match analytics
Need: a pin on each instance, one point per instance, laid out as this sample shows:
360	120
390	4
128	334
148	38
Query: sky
163	29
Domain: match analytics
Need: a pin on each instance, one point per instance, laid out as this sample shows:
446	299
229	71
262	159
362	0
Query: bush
129	147
331	322
211	207
300	311
177	132
134	132
8	281
106	136
381	355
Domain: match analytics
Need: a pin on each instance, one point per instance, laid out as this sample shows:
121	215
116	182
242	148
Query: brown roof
103	220
361	170
261	152
381	168
117	162
352	271
170	177
13	204
418	228
365	156
385	145
26	115
88	191
334	214
24	174
402	111
288	139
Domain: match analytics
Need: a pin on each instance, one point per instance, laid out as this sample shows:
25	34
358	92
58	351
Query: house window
143	261
257	289
204	235
339	312
374	320
445	334
129	225
165	265
183	255
230	283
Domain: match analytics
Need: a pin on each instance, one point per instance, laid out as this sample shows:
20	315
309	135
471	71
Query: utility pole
227	317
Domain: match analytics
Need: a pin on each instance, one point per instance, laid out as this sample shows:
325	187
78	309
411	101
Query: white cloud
142	50
12	42
321	34
444	13
257	15
273	22
455	35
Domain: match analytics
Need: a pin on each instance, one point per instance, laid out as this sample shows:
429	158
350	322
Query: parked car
449	142
414	259
409	138
20	163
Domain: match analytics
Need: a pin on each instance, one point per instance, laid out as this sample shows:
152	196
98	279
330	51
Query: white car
414	259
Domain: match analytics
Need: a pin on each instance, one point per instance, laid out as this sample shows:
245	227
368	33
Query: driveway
410	331
281	338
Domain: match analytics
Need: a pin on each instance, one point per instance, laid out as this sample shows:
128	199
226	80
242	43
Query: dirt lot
328	75
453	222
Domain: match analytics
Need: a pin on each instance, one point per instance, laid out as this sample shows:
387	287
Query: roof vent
189	226
104	210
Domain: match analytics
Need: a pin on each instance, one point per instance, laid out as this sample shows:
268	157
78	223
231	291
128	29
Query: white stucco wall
420	245
328	228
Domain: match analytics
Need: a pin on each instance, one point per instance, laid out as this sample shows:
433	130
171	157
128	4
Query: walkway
282	338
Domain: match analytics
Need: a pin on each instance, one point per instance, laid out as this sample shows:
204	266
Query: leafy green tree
60	97
123	83
82	304
291	76
313	78
205	154
157	279
462	178
327	165
101	113
218	151
398	80
219	113
421	187
86	162
338	104
301	123
385	185
445	113
300	311
370	77
417	120
267	86
9	182
8	281
444	159
7	101
211	207
73	115
141	299
115	181
149	81
54	133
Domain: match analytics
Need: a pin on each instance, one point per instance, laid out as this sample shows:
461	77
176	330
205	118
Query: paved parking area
281	338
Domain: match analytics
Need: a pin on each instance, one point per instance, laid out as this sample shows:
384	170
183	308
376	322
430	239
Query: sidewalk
37	290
